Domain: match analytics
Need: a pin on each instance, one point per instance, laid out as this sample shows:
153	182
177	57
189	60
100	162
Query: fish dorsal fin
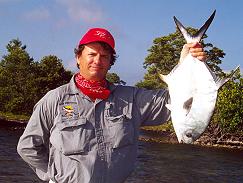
188	104
164	78
221	81
198	36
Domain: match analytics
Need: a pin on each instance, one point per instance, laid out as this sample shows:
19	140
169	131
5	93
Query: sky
54	27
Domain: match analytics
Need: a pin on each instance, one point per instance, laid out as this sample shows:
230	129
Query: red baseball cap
98	34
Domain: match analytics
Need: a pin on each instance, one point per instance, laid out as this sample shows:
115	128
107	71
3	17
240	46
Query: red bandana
93	89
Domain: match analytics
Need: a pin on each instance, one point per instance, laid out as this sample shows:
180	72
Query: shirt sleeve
33	145
152	106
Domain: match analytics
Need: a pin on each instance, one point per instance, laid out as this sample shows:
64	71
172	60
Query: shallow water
187	163
12	168
157	163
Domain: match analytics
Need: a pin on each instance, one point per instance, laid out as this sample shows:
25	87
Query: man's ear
77	60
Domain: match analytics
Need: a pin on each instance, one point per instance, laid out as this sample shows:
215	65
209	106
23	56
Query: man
87	130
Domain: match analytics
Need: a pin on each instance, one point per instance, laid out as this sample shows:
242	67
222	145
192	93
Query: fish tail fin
221	81
188	37
204	28
198	36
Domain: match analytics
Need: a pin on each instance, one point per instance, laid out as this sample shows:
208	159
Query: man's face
94	62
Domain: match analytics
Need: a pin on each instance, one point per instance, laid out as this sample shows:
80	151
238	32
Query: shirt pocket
75	135
121	130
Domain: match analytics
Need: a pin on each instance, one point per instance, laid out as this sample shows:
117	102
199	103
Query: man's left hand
197	51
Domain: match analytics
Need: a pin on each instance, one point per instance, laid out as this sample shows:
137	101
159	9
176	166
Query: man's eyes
102	56
105	56
91	54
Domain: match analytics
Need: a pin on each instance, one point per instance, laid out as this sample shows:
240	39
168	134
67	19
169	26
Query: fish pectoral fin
188	104
168	106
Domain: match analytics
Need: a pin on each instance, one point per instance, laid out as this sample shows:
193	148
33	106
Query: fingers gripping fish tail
198	36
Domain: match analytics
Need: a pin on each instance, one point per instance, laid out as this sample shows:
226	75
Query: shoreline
204	140
155	136
12	123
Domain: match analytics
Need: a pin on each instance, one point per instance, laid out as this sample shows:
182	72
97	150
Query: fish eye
189	134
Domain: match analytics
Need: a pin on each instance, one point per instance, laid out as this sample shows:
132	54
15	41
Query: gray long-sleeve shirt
70	139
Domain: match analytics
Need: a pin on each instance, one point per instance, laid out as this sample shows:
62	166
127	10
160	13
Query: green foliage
151	80
166	127
14	117
164	55
15	74
51	74
114	78
229	107
23	82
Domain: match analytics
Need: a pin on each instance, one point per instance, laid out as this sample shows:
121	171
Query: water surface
157	163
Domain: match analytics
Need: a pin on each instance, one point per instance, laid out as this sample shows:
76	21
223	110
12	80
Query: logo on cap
101	34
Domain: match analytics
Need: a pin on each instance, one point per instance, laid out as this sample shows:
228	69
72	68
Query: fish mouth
187	138
189	141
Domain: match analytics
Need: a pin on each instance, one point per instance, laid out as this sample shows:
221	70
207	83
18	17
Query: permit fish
193	89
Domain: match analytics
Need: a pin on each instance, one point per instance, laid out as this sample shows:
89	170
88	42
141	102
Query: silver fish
193	89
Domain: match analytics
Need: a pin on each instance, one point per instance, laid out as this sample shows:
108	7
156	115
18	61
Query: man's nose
97	59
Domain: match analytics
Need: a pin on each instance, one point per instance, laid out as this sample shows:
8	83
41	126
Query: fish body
193	89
